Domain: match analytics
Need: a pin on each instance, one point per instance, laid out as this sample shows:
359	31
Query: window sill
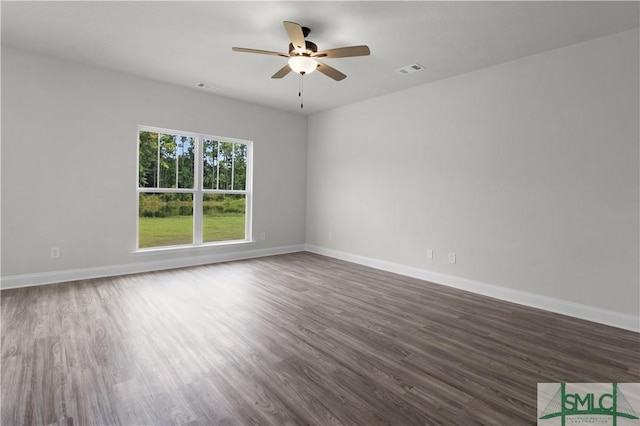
194	248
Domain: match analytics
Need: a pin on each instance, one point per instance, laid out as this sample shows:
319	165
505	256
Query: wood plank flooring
286	340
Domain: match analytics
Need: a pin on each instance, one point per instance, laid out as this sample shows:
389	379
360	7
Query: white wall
69	174
528	171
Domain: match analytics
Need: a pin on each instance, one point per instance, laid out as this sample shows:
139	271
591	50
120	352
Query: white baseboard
28	280
589	313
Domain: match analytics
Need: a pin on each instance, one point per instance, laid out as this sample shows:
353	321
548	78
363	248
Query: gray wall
528	171
69	175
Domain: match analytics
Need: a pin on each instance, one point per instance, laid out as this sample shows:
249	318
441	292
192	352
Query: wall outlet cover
55	252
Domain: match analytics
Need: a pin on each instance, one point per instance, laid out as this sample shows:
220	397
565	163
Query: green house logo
602	403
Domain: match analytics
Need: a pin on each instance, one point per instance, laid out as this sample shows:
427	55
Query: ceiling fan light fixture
303	64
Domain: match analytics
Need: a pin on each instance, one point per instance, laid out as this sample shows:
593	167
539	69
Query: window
192	189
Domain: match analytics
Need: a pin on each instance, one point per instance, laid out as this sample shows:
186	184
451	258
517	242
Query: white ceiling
187	43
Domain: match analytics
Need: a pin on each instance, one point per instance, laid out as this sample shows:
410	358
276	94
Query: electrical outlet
430	254
55	252
263	236
330	236
452	258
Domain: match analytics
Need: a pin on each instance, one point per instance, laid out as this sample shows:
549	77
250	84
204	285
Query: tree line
168	161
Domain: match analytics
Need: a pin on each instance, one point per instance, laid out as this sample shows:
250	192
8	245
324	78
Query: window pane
210	164
166	161
186	155
165	219
148	160
223	217
225	165
240	167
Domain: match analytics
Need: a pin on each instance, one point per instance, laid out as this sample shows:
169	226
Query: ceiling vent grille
209	87
410	69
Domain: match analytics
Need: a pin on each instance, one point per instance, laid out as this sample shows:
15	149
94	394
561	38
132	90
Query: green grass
225	227
175	230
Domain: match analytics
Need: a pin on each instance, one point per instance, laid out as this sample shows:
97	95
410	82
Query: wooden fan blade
330	72
296	36
343	52
262	52
282	72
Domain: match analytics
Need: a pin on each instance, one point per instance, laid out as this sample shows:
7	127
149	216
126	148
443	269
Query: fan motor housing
310	46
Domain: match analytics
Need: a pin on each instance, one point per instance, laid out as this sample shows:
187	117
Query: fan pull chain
301	92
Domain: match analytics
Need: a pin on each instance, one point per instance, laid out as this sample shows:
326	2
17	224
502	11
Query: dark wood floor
293	339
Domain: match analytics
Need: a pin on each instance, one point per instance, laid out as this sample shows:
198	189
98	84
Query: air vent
206	86
410	69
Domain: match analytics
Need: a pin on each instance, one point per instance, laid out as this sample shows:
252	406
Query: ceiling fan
303	54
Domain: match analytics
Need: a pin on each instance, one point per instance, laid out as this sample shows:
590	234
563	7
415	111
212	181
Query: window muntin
183	201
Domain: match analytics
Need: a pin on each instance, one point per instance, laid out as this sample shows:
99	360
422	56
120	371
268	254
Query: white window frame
198	191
